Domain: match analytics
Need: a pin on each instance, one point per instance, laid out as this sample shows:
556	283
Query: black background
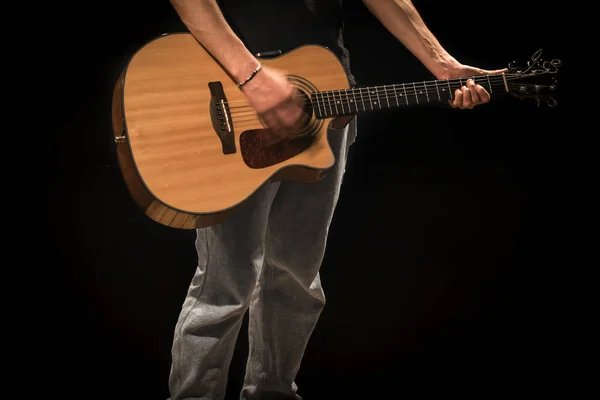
437	271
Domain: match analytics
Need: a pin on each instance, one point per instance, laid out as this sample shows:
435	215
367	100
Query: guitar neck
335	103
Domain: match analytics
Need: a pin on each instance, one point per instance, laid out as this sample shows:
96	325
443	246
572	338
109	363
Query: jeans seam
184	320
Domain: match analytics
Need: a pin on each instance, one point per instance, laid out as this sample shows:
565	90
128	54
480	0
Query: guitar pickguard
258	153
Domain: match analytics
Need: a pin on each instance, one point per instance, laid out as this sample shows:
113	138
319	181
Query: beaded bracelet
252	75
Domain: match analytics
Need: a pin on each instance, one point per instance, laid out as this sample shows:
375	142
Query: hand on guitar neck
470	94
278	104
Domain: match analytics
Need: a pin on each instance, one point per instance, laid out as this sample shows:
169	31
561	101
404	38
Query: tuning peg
552	102
513	65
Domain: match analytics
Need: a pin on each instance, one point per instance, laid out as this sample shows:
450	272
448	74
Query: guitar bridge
221	117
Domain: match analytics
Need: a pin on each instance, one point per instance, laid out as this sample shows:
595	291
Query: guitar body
191	149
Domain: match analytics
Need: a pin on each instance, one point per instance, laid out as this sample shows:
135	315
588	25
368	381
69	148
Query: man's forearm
404	22
206	23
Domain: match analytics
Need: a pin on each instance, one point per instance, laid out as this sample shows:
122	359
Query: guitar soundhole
258	151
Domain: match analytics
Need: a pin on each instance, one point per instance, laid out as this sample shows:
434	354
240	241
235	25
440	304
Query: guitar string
347	107
409	88
353	108
383	98
366	104
330	109
336	101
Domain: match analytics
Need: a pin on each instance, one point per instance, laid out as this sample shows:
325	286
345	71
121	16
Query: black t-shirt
271	25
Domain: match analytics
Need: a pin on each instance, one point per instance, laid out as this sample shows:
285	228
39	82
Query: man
266	257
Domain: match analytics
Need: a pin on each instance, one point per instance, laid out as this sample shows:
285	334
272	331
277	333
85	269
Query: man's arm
206	23
269	92
404	22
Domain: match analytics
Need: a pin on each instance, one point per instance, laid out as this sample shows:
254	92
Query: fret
341	101
319	112
426	94
377	102
489	84
348	101
329	101
449	89
354	97
396	95
353	93
405	94
335	102
362	100
416	95
437	89
370	101
386	96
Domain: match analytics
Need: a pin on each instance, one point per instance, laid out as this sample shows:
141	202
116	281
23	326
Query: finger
289	117
494	71
458	99
467	102
472	86
483	94
270	121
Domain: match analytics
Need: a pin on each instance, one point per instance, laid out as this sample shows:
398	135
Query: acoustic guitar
192	151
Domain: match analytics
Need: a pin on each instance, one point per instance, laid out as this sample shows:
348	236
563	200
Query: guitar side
180	168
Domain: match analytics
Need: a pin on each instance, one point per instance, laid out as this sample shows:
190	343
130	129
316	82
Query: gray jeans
265	259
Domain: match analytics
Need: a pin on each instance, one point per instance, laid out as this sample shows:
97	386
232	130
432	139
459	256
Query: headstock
535	81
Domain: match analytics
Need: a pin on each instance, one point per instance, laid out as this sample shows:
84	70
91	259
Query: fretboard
334	103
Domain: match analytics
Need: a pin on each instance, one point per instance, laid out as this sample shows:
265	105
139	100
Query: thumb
493	71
